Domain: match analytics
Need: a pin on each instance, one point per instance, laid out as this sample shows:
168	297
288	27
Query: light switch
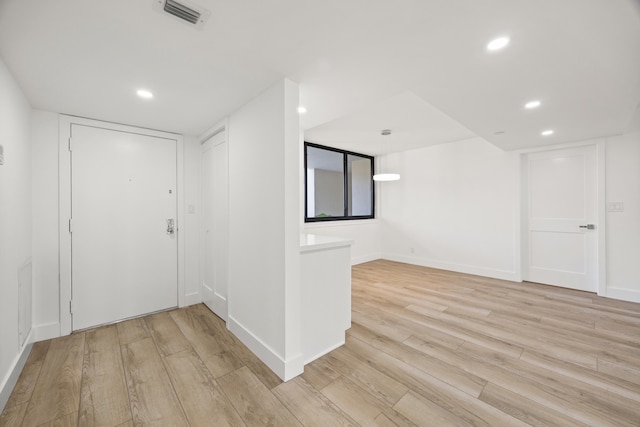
615	207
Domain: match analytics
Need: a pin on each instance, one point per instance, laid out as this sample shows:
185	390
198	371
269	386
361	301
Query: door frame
64	207
221	126
601	214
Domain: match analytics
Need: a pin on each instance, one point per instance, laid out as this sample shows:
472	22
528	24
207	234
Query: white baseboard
46	331
192	299
285	369
364	258
326	351
11	378
459	268
630	295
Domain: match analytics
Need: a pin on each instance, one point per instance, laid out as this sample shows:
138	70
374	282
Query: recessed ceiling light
532	104
302	109
143	93
547	132
497	44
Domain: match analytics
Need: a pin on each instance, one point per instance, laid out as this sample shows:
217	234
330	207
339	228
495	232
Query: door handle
588	226
170	226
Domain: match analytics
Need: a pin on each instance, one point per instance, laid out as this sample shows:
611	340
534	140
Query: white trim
517	217
285	369
601	212
64	191
46	331
192	299
365	258
451	266
11	378
221	126
632	295
523	231
181	215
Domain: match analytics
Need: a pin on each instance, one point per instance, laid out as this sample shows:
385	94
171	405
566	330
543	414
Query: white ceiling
419	67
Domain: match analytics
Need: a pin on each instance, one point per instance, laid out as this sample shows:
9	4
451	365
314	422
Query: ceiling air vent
184	10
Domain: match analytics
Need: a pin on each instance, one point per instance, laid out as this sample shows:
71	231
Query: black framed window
338	184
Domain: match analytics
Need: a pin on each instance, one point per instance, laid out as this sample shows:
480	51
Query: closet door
215	221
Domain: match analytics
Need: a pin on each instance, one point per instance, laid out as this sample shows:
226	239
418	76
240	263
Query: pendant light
386	176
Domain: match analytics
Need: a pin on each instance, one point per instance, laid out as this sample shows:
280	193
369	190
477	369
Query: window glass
359	185
338	184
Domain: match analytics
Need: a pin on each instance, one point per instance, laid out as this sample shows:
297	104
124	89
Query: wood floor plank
319	374
384	326
615	406
255	403
57	391
132	330
104	398
459	403
381	421
166	334
202	399
547	390
578	353
619	369
27	381
358	403
257	366
12	416
153	400
218	358
625	388
69	420
438	368
376	382
461	331
310	406
425	413
525	409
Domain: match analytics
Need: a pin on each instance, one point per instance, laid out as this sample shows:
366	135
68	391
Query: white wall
15	220
454	208
46	309
623	228
192	191
264	228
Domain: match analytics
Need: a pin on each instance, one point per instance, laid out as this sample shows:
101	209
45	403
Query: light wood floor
427	347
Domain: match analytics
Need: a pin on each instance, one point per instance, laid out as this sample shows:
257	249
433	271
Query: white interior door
124	253
562	238
215	222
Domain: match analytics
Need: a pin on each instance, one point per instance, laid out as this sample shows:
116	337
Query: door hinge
70	145
70	226
71	307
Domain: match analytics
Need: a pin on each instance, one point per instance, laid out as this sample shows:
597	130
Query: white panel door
562	237
215	222
124	254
